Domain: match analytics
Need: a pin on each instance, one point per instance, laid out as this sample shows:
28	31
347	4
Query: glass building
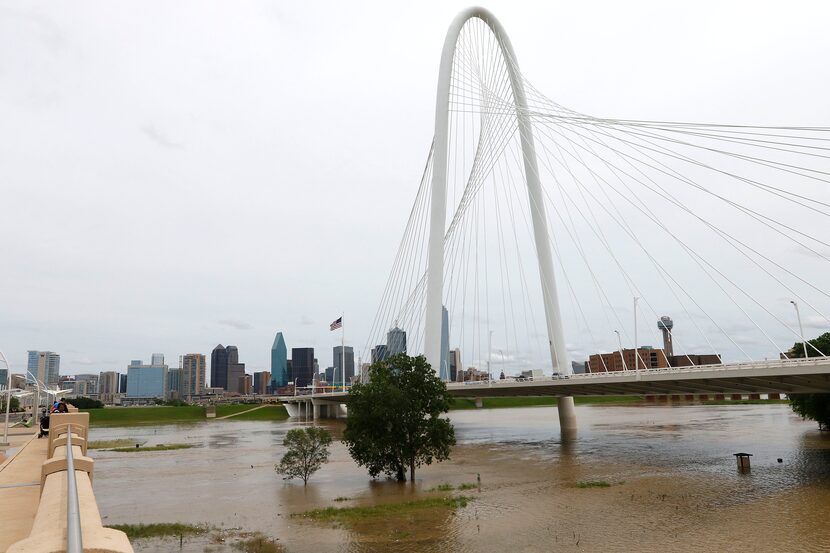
279	363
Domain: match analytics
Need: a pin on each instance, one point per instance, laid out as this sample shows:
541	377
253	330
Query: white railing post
73	512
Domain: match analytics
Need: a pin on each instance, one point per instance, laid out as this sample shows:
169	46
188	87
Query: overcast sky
174	175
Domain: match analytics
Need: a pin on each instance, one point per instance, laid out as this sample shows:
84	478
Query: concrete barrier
49	530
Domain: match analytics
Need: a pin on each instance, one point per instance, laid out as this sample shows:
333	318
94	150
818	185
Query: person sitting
44	424
62	407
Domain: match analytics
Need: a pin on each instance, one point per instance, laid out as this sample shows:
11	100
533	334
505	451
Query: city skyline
100	311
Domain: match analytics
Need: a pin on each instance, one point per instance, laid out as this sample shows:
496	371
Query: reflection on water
675	483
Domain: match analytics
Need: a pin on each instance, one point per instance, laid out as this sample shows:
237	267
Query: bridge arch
438	205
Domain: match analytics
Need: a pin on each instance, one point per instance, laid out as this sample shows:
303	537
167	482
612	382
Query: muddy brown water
675	486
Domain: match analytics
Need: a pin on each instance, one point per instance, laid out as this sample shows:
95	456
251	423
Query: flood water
675	483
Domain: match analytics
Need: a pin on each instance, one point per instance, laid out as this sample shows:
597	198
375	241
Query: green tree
85	403
394	421
812	406
14	404
308	449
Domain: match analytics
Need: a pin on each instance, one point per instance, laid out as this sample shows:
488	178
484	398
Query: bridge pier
567	417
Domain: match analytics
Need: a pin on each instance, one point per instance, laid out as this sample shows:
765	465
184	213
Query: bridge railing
783	363
67	517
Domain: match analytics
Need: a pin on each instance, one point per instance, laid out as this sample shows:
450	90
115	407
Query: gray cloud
239	325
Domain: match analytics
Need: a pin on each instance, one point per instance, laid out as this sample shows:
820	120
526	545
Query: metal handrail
73	512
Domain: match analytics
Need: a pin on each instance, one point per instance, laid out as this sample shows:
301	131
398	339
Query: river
675	486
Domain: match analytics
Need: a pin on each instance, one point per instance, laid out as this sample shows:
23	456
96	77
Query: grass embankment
159	530
136	416
348	515
505	402
744	401
267	413
159	447
109	444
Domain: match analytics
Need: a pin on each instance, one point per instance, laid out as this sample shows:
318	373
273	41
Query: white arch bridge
722	225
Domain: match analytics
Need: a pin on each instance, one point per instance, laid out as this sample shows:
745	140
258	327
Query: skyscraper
157	359
279	363
380	353
146	381
45	366
444	373
236	370
455	364
219	367
108	386
262	380
192	377
174	383
4	378
396	341
338	357
302	365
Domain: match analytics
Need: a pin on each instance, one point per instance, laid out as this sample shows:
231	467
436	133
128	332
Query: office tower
665	324
262	380
174	383
108	386
146	381
444	373
338	358
236	370
302	365
219	367
243	384
122	384
192	376
396	341
279	363
86	385
157	359
328	376
45	366
380	353
4	379
455	364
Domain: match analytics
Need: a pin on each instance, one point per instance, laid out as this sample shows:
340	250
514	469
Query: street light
619	341
801	328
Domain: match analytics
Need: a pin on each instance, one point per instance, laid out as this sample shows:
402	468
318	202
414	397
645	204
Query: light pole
800	328
636	353
5	441
489	357
619	341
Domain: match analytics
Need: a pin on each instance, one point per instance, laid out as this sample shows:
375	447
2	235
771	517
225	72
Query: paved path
20	486
241	412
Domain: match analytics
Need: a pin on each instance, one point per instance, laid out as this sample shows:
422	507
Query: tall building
219	367
665	324
380	353
192	376
4	379
157	359
279	363
85	385
455	364
45	366
302	365
243	384
236	370
396	341
328	376
146	381
174	383
338	357
262	380
444	372
108	386
122	384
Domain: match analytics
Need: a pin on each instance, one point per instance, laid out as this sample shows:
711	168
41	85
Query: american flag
336	324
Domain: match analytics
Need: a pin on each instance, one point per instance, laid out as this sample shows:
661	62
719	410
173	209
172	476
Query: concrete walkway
241	412
20	485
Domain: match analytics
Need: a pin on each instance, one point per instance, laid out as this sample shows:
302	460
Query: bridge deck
20	487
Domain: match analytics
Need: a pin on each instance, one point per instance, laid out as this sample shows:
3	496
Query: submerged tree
308	449
394	421
812	406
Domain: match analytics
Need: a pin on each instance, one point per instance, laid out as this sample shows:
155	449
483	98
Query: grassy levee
269	413
135	416
347	515
541	401
159	530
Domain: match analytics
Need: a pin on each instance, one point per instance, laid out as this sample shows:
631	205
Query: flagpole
343	350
